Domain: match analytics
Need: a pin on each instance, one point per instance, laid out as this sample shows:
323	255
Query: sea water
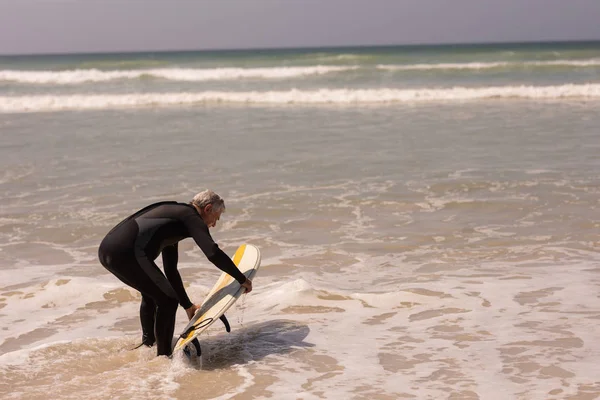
428	219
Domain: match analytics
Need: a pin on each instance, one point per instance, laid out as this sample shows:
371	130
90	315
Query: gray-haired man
128	251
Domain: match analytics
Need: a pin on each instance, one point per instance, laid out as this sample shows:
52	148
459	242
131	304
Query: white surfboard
222	296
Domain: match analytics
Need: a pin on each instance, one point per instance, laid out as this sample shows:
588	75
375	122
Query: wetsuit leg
131	273
147	307
166	306
165	326
147	318
121	254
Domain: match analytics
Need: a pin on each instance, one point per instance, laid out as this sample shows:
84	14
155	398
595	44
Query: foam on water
53	310
41	103
591	63
92	75
74	77
492	333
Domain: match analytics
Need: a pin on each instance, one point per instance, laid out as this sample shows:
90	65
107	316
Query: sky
73	26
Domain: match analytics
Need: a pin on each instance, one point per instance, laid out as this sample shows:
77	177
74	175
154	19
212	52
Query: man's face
210	216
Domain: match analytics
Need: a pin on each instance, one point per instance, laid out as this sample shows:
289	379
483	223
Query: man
128	251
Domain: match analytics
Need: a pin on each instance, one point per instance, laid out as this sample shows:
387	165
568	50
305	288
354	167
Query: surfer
128	251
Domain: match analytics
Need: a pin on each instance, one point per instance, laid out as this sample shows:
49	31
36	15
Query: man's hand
247	285
192	310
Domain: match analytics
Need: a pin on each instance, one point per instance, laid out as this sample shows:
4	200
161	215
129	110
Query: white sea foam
47	302
37	103
422	339
491	65
71	77
78	76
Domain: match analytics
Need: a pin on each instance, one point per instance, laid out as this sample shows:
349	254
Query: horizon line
300	48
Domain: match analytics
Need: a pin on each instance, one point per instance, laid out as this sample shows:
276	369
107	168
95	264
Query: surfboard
222	296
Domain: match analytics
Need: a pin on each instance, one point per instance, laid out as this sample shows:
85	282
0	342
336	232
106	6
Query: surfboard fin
197	347
223	319
196	344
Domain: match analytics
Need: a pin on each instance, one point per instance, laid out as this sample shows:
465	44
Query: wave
78	76
493	65
317	97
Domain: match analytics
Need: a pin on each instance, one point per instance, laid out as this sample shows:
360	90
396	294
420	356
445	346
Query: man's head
210	206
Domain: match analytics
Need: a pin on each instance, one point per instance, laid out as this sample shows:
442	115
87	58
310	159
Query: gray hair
207	197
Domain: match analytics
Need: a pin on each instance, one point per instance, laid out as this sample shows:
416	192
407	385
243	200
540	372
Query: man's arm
199	232
170	257
224	263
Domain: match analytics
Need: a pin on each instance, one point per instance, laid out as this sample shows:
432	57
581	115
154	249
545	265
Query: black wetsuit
129	251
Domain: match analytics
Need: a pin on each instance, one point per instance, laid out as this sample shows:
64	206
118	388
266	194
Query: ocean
428	218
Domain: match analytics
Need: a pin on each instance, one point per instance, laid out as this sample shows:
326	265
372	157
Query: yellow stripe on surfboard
237	257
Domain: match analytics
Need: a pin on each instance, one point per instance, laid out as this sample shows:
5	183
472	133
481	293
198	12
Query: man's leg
147	317
163	326
157	287
166	311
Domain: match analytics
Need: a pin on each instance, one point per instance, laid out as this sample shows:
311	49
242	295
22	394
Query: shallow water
410	250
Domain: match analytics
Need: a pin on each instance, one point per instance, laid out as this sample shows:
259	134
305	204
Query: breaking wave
37	103
493	65
78	76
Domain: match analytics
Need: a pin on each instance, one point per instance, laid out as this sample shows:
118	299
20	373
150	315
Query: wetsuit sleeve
170	257
224	263
199	232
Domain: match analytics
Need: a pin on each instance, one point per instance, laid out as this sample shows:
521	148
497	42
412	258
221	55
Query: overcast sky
64	26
